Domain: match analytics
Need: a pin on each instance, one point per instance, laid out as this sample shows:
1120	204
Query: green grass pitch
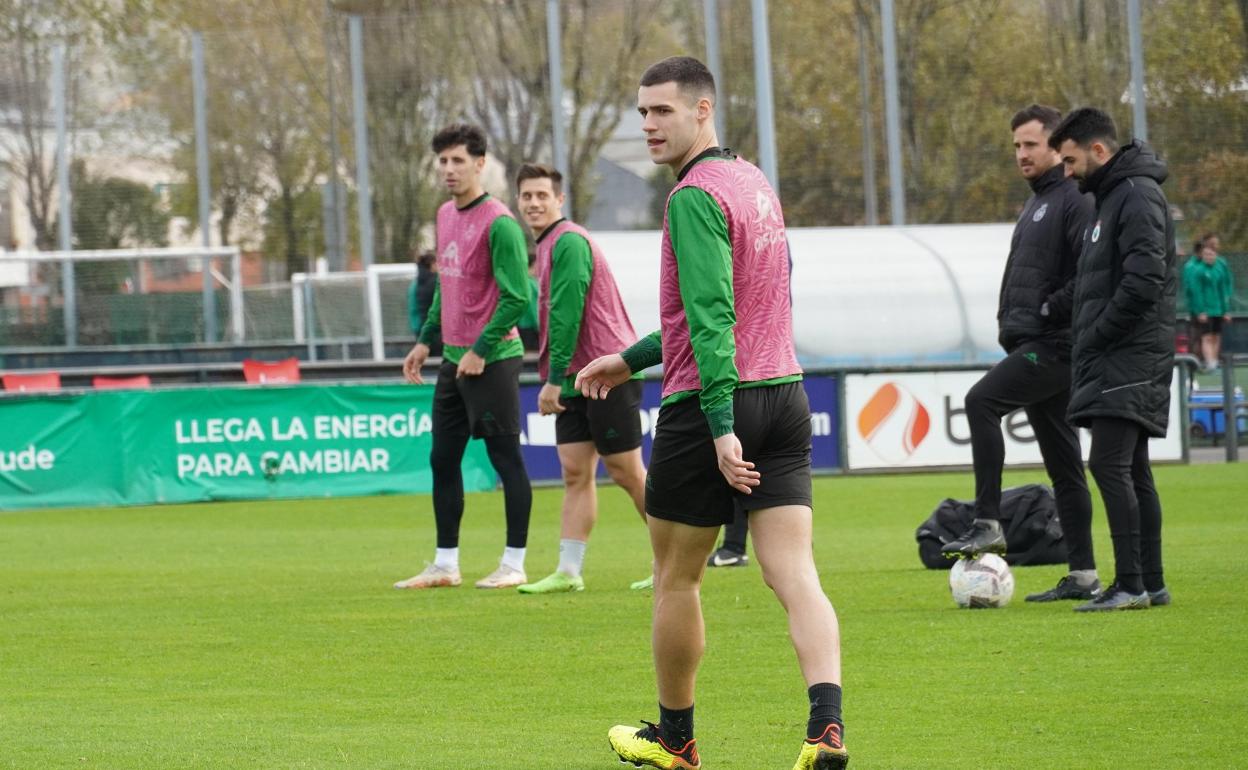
266	635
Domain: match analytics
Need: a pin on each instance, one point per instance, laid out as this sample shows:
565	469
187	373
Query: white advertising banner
918	419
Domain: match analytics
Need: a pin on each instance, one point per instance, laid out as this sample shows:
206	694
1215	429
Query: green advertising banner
221	443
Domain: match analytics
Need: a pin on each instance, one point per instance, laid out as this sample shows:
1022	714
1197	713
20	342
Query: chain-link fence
284	143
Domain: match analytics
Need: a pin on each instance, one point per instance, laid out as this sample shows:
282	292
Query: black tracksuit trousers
1036	378
1119	463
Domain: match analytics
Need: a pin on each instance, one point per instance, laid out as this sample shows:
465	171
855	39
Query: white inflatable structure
863	296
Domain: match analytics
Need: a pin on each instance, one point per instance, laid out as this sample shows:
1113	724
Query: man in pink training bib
482	290
580	317
734	427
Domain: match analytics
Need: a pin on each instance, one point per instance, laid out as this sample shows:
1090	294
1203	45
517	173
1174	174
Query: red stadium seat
121	383
33	383
271	372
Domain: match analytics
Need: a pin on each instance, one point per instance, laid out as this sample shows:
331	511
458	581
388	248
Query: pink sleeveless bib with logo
466	271
605	326
760	279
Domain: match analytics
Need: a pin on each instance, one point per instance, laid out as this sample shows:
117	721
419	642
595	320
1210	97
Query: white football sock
571	557
514	558
447	558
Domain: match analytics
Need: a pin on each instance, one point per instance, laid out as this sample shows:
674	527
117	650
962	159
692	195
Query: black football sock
825	709
675	726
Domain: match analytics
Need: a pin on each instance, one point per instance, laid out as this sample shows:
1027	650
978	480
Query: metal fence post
554	56
199	88
1230	409
763	95
60	94
870	197
710	19
1139	113
363	181
892	114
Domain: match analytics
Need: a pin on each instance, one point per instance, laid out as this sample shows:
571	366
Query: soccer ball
985	581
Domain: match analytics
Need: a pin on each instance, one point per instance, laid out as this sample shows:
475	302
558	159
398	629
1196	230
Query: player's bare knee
578	476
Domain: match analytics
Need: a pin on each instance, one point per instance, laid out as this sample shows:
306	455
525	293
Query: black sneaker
1116	598
1067	588
725	557
982	537
1159	598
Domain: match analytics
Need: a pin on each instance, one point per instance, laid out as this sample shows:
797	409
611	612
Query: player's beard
1092	168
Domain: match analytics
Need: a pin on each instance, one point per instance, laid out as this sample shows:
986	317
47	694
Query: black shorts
1211	326
613	424
684	484
485	405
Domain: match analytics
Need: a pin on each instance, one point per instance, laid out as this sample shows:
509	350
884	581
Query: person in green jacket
1210	298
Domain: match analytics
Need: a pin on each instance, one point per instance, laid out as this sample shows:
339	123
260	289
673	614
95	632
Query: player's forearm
644	353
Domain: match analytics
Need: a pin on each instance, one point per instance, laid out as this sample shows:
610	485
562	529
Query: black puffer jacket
1124	296
1041	269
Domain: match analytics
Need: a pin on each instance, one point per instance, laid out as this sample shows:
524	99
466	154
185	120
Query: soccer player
734	426
1124	342
580	317
1034	321
482	290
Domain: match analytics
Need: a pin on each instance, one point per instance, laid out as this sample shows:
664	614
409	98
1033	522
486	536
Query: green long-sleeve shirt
509	260
571	271
699	235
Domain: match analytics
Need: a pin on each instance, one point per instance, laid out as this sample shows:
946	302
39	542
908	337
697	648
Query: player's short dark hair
1208	237
1049	117
540	171
426	259
471	137
688	73
1085	126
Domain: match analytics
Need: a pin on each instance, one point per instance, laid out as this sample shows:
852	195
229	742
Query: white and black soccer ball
982	582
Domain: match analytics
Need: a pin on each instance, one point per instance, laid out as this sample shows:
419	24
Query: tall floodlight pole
869	193
710	18
199	89
363	180
1139	115
59	96
762	92
554	55
892	114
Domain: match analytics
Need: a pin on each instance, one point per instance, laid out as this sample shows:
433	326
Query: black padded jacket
1037	287
1124	296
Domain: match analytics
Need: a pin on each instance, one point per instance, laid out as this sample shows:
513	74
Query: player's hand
601	375
415	359
1226	319
470	365
740	473
548	400
1203	318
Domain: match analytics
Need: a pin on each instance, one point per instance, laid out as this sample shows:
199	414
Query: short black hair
1049	117
688	73
456	134
540	171
1085	126
426	259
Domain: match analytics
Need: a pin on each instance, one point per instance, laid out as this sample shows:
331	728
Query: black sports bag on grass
1033	534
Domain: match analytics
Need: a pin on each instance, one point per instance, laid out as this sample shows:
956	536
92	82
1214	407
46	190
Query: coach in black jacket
1124	342
1037	290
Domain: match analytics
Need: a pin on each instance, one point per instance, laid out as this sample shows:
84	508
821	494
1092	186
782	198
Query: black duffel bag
1033	535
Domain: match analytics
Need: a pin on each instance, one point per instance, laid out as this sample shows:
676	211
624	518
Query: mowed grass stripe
266	634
